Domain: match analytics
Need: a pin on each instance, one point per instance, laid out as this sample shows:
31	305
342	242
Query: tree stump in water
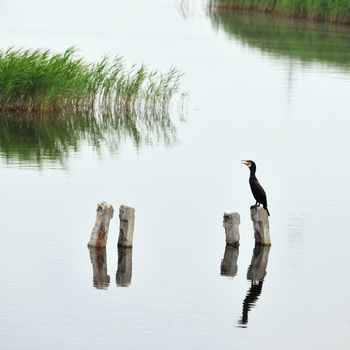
261	225
99	234
126	228
231	225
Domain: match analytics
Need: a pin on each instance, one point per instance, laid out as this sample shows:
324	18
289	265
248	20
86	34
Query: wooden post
257	269
124	272
229	262
231	225
126	227
99	267
261	225
99	234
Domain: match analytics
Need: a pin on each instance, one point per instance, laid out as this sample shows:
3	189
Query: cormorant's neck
252	172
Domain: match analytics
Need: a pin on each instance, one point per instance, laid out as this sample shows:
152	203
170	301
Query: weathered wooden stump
126	226
99	234
229	262
231	225
124	272
261	225
99	267
257	269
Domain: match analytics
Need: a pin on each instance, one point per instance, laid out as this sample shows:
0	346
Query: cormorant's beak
245	163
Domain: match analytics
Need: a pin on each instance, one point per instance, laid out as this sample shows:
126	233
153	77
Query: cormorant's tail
268	213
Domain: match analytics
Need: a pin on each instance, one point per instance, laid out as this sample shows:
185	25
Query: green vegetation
39	80
300	40
40	138
336	11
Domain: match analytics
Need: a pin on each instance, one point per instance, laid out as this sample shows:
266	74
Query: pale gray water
244	102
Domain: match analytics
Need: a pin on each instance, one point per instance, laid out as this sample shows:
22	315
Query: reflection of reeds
39	80
35	138
299	40
317	10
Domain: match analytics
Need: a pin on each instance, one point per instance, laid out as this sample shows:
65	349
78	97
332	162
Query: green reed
336	11
39	80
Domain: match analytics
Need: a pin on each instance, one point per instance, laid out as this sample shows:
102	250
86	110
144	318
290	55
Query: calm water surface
252	94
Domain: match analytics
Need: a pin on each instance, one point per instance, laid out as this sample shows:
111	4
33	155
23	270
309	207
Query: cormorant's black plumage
257	190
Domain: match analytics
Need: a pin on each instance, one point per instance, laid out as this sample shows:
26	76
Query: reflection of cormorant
256	274
257	190
250	300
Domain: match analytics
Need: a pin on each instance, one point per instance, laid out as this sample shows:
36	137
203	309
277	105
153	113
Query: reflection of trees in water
301	40
35	138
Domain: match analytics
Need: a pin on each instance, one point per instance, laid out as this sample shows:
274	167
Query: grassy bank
40	80
335	11
302	41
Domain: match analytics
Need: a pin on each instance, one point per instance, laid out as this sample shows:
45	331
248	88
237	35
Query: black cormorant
257	190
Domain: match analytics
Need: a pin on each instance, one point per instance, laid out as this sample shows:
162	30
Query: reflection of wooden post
261	225
229	262
99	233
256	274
257	268
231	225
99	267
124	272
126	228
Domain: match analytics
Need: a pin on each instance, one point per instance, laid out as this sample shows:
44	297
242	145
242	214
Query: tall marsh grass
336	11
43	81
